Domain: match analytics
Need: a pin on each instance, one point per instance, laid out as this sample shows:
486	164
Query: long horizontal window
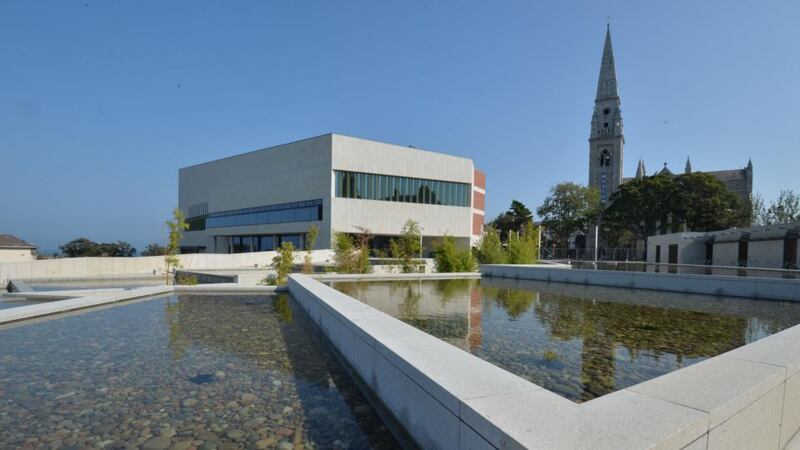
307	211
391	188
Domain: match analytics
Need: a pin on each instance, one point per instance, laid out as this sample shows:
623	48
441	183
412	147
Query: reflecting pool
579	341
183	371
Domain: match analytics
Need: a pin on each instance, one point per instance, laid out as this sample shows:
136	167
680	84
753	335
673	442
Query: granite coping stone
698	386
675	410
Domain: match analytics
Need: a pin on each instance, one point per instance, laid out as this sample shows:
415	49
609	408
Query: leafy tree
311	242
154	249
344	253
570	207
85	247
117	249
362	241
80	247
523	247
640	204
703	203
449	258
786	209
517	216
283	262
758	211
696	201
407	246
176	227
490	250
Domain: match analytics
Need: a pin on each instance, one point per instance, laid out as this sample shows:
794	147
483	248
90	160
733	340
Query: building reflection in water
579	341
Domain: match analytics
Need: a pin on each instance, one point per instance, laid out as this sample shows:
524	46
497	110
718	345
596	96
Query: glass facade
262	243
306	211
392	188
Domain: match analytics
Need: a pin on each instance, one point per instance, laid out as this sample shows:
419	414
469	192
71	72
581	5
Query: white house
14	250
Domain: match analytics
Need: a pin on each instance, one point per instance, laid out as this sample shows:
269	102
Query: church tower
606	140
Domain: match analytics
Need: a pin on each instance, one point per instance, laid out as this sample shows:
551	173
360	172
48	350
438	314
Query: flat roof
400	147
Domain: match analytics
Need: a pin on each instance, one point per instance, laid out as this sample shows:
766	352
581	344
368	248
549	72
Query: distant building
257	200
769	246
607	140
14	250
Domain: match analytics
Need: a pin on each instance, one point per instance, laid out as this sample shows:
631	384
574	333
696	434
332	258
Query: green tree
523	247
283	262
154	249
517	216
786	209
362	241
80	247
117	249
758	210
489	249
344	253
570	207
84	247
176	227
449	258
311	242
407	247
703	203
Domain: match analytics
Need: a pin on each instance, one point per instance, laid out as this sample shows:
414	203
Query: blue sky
102	102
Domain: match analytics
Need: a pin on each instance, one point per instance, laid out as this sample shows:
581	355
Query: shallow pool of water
185	371
579	341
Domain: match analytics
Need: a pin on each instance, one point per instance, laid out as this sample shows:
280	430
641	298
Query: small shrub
311	241
449	258
283	263
490	249
186	280
270	280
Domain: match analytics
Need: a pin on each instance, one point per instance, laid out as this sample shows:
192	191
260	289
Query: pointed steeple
607	82
688	166
640	170
750	164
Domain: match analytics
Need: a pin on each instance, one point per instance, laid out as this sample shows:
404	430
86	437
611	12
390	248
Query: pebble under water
578	341
181	372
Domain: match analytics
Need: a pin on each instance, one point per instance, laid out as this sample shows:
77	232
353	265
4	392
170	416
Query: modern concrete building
768	246
15	250
257	200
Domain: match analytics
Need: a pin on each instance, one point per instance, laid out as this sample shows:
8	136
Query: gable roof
9	241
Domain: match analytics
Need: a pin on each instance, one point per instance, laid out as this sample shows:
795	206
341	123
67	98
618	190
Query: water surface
579	341
183	371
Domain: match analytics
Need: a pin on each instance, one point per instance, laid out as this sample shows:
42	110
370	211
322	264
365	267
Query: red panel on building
478	200
480	179
477	224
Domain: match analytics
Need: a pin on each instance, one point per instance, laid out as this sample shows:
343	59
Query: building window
401	189
306	211
605	158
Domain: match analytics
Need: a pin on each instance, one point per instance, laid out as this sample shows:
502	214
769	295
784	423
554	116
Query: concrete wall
15	255
286	173
689	250
147	265
731	286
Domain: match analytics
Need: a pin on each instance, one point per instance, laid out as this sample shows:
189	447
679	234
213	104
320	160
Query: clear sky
102	101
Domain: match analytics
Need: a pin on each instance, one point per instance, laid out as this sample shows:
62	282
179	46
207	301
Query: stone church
607	140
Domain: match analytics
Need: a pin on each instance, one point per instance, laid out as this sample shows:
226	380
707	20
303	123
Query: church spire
607	82
640	170
688	166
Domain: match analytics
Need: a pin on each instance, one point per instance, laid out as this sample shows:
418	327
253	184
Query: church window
605	158
606	111
605	125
